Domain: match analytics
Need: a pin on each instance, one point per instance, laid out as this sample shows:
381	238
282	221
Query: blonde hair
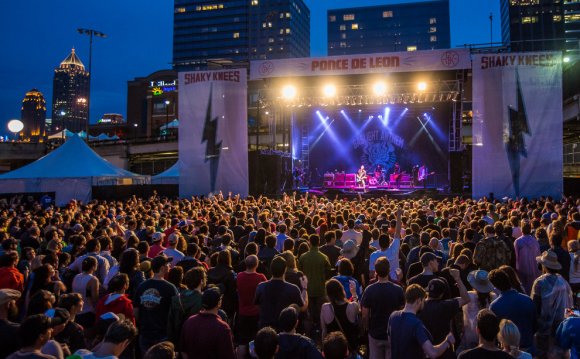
509	336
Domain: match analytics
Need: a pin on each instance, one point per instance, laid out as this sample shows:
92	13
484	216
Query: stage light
329	90
422	86
289	92
380	88
359	110
386	116
566	59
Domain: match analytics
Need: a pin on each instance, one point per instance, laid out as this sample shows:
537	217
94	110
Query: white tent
169	176
67	134
70	171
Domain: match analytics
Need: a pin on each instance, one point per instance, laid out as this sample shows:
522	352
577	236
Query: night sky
38	34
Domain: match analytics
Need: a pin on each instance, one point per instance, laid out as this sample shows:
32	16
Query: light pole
167	102
91	33
62	114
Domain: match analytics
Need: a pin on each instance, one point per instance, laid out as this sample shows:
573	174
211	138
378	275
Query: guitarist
397	174
361	177
422	175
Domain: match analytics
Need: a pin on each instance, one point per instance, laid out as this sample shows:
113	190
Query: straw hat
549	259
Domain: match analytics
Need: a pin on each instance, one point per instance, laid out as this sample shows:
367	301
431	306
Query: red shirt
116	303
247	284
154	250
206	336
11	278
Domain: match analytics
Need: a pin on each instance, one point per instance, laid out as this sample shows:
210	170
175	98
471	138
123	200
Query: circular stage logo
266	68
450	59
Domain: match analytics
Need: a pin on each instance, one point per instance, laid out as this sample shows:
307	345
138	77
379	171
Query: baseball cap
7	295
428	257
210	298
160	261
57	316
436	288
157	236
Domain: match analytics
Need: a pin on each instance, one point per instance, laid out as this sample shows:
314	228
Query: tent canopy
169	176
74	159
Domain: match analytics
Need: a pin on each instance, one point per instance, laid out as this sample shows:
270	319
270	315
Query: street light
62	114
135	125
167	102
90	33
15	126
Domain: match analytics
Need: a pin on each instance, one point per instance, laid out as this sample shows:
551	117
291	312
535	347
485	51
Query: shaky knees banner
213	133
517	124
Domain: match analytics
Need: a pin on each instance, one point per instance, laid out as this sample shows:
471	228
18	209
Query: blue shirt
568	336
408	334
345	281
520	309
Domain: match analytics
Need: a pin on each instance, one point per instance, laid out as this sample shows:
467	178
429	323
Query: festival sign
431	60
213	141
517	125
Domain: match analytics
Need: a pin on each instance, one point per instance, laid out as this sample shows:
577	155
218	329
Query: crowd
297	277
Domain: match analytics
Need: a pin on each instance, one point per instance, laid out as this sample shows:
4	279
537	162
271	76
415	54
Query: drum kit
378	178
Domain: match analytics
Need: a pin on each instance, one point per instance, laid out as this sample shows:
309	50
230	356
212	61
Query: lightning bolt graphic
213	148
516	143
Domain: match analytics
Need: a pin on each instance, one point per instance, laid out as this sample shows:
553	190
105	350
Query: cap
77	228
210	298
546	215
57	316
173	238
112	316
160	261
7	295
428	257
436	288
157	236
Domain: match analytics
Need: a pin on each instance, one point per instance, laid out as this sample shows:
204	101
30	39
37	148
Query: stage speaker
456	171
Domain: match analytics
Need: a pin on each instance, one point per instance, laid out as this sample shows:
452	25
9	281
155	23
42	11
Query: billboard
517	124
432	60
213	133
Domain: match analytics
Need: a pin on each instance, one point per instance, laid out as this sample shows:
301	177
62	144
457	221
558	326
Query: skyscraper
70	94
232	32
33	115
386	28
540	25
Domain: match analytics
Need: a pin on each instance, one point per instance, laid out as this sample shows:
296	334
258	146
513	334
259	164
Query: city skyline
140	42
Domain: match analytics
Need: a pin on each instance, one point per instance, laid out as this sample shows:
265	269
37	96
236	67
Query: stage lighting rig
329	90
380	88
289	92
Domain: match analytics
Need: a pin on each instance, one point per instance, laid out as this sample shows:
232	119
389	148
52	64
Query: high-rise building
33	115
388	28
540	25
232	32
279	29
70	94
